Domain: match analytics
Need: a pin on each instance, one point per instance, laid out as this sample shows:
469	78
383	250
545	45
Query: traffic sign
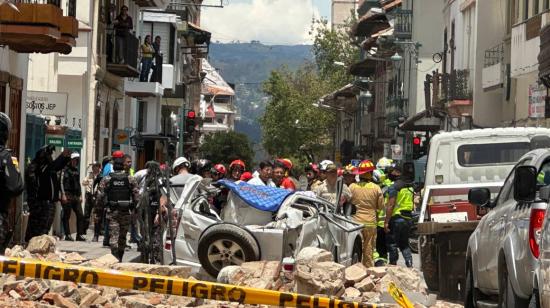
74	143
56	141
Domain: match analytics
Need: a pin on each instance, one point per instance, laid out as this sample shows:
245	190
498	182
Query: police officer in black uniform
11	183
71	198
118	193
43	189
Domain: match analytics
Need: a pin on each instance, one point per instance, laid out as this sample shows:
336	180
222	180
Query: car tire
470	298
428	259
357	252
226	244
535	300
507	297
413	244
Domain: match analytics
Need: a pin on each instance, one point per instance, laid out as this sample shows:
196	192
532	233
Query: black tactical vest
119	187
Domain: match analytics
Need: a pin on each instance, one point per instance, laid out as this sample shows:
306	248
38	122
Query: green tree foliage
224	147
292	126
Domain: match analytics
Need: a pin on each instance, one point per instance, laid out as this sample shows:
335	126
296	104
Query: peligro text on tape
167	285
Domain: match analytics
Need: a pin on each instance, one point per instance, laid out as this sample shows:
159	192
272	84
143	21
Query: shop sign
122	136
47	103
74	143
537	98
396	152
56	141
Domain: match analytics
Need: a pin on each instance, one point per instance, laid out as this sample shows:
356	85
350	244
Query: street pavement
94	250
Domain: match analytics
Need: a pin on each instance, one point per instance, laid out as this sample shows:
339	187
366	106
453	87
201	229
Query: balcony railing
53	2
494	55
403	24
122	53
453	86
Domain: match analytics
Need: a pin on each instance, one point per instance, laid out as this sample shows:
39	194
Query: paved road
93	250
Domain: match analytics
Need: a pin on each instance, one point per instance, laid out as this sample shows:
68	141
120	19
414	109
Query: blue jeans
398	237
146	64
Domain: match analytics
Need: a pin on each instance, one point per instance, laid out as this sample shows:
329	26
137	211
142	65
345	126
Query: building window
2	97
526	9
536	7
106	124
546	5
97	127
15	116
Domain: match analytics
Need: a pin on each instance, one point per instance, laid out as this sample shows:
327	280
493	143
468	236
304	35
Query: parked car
502	252
541	292
457	162
275	228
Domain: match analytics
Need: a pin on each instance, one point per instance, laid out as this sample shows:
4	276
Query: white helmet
181	161
75	155
323	165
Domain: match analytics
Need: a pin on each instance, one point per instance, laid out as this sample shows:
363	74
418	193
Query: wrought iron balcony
494	55
403	24
452	86
122	54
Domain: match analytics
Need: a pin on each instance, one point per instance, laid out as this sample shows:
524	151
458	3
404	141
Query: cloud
272	22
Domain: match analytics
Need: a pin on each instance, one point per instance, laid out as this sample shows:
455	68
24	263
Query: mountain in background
248	65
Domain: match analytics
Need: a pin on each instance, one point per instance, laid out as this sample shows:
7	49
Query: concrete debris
355	274
42	244
314	273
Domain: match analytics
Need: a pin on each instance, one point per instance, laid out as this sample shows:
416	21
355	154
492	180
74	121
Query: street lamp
365	99
396	58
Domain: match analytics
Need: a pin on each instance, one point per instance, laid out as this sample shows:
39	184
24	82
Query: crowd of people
381	196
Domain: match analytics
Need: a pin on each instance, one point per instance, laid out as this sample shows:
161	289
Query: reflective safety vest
376	257
404	202
381	217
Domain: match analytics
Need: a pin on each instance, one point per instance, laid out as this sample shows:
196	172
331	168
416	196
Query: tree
224	147
292	125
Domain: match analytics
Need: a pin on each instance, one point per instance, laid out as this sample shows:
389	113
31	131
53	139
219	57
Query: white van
478	155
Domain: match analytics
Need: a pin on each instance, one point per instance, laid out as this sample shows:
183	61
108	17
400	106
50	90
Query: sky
272	22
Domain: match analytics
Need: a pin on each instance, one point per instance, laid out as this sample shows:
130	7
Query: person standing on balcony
123	24
158	60
147	52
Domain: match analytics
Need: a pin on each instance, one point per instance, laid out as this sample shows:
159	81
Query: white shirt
258	181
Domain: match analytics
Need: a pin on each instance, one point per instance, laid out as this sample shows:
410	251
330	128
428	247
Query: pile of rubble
315	274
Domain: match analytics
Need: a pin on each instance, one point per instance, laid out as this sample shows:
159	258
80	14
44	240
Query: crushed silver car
257	223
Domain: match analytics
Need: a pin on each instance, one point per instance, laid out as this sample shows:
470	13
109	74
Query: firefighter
118	193
398	216
368	199
11	183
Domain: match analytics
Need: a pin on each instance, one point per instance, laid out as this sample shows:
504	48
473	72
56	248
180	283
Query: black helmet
5	127
199	166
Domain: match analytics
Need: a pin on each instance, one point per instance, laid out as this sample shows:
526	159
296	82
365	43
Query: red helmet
246	176
219	168
237	162
118	154
364	167
286	162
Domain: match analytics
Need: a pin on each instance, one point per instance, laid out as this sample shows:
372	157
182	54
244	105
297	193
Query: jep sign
47	103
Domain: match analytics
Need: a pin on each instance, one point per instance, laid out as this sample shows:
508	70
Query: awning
374	21
343	98
195	27
213	83
389	5
424	121
220	108
364	68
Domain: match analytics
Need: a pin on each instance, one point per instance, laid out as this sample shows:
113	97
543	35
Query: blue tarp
263	198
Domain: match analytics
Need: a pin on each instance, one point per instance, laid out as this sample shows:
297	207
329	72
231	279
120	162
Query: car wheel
469	292
535	299
428	258
507	298
357	254
413	244
224	244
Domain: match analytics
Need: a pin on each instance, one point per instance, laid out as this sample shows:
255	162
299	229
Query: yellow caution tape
399	296
167	285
